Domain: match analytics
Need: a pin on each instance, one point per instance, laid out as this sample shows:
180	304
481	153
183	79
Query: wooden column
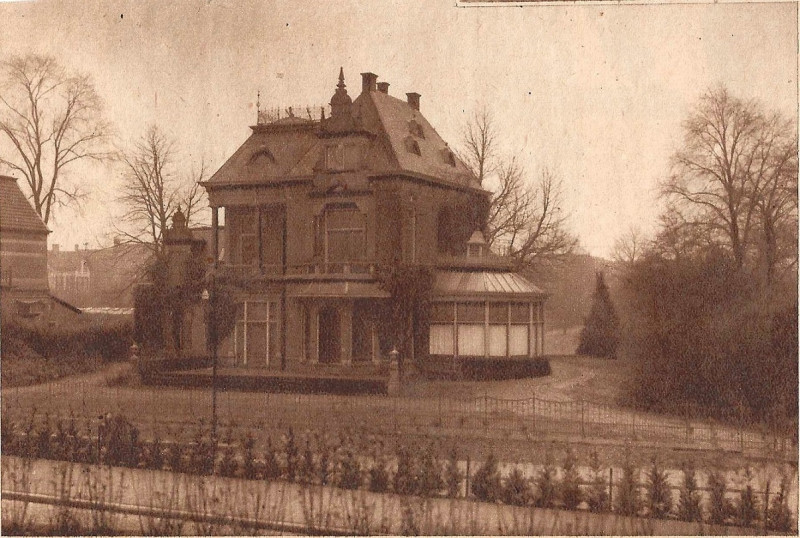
376	346
313	345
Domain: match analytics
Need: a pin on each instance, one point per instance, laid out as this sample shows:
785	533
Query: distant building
24	291
97	278
313	207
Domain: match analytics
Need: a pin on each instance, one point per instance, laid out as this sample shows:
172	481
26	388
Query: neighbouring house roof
398	139
16	212
483	283
123	258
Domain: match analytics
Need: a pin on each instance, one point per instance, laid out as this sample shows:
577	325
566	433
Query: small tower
476	246
341	103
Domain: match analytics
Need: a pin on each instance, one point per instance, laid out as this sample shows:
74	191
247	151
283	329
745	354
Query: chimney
368	82
413	100
77	247
383	87
56	246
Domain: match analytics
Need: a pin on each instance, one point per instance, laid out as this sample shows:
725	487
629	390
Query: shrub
689	501
430	473
291	453
119	441
204	451
227	463
746	509
597	497
571	495
248	456
154	455
307	471
779	517
486	484
406	480
379	475
350	477
272	469
107	340
452	475
324	467
628	500
719	506
546	485
516	489
659	497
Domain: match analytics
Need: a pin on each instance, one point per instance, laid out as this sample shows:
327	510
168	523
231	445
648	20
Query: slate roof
291	149
16	213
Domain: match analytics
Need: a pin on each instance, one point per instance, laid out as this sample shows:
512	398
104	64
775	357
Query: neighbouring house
98	280
314	206
24	291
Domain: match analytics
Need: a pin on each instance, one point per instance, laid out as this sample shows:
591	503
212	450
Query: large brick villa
312	207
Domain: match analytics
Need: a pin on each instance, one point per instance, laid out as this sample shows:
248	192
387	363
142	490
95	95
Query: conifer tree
599	336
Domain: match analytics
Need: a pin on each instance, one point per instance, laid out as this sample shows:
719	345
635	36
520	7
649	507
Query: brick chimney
413	100
383	87
368	82
56	247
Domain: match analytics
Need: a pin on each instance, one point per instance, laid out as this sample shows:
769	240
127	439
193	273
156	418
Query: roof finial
341	78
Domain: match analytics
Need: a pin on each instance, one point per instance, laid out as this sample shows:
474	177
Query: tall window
244	227
256	337
345	234
483	329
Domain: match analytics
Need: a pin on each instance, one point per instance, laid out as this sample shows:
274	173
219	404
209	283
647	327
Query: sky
595	92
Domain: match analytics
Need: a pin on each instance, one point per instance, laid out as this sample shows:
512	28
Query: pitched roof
16	213
399	141
482	283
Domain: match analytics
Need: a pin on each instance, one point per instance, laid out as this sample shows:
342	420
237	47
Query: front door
329	336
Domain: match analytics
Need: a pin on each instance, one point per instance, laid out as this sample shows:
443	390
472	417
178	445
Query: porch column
346	327
215	234
376	347
313	344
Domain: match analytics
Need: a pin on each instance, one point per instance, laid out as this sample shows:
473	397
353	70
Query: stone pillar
215	234
376	346
346	328
393	387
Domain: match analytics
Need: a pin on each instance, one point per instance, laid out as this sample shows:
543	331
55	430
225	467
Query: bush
350	473
307	472
379	474
628	500
452	475
659	497
571	495
546	485
486	484
719	506
597	497
779	517
291	453
107	340
406	480
430	473
516	489
746	509
272	469
119	441
689	501
248	456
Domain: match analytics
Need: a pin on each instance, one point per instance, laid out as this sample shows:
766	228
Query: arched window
261	153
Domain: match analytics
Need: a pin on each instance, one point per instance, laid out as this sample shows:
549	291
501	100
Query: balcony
360	270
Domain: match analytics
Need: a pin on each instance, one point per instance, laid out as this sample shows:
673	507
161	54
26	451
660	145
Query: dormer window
476	246
412	146
342	157
416	129
262	153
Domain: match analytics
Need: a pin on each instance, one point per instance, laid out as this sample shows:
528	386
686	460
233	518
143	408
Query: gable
16	213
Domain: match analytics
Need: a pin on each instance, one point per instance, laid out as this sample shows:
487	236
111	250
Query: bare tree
52	118
152	190
732	179
629	247
526	221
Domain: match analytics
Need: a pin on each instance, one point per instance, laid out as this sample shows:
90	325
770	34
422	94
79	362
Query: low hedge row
480	368
108	340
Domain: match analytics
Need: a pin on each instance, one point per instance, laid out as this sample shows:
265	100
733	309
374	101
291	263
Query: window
483	329
345	234
412	146
416	129
449	157
244	229
256	336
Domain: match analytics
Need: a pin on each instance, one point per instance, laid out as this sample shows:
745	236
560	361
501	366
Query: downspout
283	291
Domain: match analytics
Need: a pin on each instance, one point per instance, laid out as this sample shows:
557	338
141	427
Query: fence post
583	430
466	484
766	508
610	488
534	411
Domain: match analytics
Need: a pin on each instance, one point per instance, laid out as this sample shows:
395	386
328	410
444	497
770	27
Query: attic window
412	146
416	129
449	157
260	154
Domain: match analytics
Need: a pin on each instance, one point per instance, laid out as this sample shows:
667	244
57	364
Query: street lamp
209	296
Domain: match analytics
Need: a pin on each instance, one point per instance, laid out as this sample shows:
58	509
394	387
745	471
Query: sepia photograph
399	267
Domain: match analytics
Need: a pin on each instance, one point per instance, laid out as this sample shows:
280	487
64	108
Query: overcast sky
595	92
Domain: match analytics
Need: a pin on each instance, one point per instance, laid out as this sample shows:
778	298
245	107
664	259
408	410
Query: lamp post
209	295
